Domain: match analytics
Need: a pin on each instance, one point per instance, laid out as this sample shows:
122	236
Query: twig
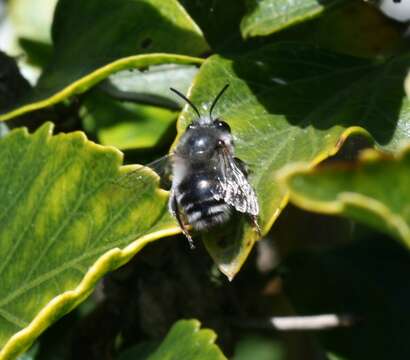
314	322
298	323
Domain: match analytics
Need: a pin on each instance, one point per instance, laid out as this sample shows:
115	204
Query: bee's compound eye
222	125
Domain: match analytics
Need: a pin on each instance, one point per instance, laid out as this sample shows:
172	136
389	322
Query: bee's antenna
187	100
216	99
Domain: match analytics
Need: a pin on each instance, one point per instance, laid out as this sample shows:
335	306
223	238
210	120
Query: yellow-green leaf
64	222
373	191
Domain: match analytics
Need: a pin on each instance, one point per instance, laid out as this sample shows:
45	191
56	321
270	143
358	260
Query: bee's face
201	142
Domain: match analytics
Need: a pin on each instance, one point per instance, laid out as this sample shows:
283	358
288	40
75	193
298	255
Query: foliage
317	108
184	341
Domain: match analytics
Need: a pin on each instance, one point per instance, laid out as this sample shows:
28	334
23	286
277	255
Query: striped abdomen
195	198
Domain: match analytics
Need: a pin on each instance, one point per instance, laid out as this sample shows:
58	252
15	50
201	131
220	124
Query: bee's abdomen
203	215
199	205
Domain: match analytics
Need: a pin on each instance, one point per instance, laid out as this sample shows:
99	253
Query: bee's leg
255	225
174	208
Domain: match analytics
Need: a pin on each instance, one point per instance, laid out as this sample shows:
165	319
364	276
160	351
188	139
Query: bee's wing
161	166
233	186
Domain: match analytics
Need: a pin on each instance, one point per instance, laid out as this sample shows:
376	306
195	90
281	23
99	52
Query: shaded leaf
265	17
64	224
12	83
257	347
290	103
124	124
138	352
373	191
82	57
220	27
151	86
355	28
39	54
332	356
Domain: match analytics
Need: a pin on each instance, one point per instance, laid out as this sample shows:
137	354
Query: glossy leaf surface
290	103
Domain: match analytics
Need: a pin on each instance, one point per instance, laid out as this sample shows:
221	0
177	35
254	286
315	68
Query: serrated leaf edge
107	262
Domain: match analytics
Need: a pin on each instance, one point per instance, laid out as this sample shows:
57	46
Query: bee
208	182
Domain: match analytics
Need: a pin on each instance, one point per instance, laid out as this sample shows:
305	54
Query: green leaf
51	97
125	125
373	191
289	103
186	340
65	222
83	57
152	85
257	347
265	17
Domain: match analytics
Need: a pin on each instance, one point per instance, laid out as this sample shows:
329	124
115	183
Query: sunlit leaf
185	340
65	222
290	103
151	86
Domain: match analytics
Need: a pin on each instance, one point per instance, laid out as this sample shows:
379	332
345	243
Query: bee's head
203	142
205	135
